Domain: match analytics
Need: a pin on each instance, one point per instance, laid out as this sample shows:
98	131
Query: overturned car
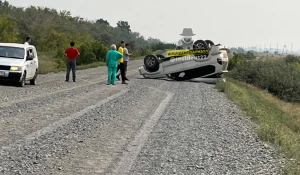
205	60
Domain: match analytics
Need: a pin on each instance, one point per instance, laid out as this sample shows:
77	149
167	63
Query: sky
231	22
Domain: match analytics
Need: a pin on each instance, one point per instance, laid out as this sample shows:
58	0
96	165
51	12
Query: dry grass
278	121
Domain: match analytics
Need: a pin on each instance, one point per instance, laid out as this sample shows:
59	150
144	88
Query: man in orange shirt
71	54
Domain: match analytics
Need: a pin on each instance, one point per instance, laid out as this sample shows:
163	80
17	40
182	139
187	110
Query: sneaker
126	79
124	82
107	84
66	80
74	80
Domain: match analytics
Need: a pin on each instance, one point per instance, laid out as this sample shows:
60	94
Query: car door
34	61
29	63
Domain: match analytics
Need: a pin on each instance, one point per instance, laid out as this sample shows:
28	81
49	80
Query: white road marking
128	158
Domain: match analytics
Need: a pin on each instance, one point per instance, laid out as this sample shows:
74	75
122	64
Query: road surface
147	127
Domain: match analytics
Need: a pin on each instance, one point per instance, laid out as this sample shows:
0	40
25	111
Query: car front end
10	73
12	63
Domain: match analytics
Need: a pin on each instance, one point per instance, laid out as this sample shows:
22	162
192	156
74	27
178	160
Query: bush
279	77
235	60
86	55
145	50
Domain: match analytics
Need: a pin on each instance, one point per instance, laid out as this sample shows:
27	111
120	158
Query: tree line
52	31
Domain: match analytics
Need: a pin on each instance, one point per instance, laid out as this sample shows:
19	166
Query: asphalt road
146	127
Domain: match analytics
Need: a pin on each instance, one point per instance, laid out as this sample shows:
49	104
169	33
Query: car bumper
10	75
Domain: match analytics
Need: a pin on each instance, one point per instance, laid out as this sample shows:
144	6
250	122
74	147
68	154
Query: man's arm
66	53
107	59
119	55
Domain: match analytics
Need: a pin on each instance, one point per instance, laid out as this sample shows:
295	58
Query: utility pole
270	48
291	48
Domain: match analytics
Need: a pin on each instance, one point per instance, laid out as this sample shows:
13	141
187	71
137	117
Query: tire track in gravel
128	158
19	125
58	89
203	133
10	93
61	151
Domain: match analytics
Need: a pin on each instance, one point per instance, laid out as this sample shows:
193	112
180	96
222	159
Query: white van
18	63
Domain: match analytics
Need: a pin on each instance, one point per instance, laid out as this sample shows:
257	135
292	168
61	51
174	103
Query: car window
11	52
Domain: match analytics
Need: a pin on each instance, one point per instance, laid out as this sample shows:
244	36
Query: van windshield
11	52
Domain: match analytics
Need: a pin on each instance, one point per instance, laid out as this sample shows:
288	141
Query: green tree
8	30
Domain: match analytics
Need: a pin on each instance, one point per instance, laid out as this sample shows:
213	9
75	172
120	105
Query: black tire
33	81
209	43
22	83
151	63
200	44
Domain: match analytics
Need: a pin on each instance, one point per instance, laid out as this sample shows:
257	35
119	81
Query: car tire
22	83
33	81
151	63
209	43
200	44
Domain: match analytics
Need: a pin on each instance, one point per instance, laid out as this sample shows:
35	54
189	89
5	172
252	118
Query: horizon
246	26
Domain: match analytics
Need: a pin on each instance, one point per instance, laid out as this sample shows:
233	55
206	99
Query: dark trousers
71	65
122	69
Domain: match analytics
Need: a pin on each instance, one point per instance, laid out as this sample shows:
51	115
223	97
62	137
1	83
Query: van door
29	64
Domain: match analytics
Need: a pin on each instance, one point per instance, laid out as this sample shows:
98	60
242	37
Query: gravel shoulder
90	128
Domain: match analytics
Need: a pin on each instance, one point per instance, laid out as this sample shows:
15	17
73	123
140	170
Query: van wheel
22	83
33	81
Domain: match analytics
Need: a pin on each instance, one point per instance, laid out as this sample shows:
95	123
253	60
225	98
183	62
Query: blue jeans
71	65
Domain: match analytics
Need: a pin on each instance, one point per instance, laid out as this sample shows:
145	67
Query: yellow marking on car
186	52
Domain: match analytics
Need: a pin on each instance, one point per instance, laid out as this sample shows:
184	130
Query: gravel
199	132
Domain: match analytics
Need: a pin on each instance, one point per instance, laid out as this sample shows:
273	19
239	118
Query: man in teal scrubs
112	58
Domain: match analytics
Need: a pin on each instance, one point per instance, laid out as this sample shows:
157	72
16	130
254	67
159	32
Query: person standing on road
126	59
28	40
121	64
112	58
71	54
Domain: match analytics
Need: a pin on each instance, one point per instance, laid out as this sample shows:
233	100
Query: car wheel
151	63
199	44
33	81
22	83
209	43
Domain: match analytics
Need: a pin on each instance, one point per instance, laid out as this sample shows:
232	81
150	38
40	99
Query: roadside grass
48	63
278	122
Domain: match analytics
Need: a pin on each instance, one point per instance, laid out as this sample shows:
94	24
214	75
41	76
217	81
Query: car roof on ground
16	45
